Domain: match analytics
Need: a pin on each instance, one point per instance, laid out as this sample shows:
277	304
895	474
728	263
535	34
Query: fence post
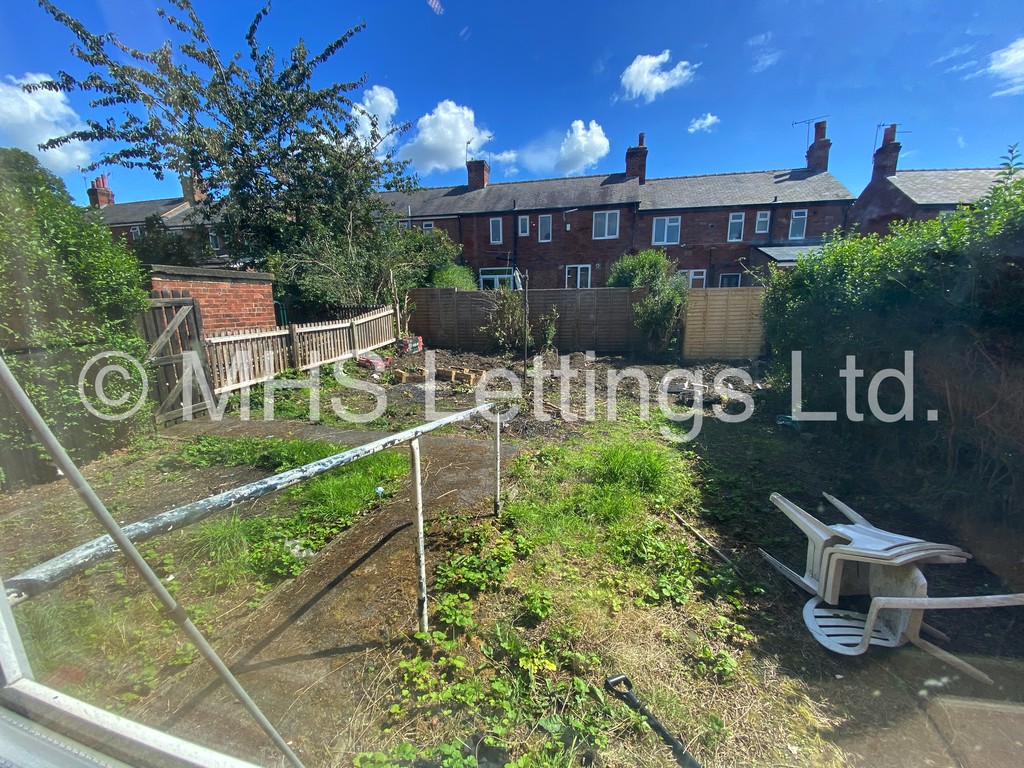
353	341
421	555
497	464
293	347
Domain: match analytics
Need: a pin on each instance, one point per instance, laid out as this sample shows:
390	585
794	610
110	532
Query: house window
606	225
405	224
544	229
578	275
524	226
729	280
735	227
428	226
666	230
798	225
136	233
495	231
764	219
493	278
214	241
695	278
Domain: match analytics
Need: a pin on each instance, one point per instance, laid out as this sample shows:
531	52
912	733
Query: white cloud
581	148
765	55
378	102
442	138
647	77
960	67
1008	65
705	123
960	142
954	53
29	119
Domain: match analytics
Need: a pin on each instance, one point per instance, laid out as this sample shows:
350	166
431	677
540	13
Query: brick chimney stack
192	188
817	153
886	155
99	193
479	174
636	161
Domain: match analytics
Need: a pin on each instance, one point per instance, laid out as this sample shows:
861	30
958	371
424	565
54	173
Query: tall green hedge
67	292
951	290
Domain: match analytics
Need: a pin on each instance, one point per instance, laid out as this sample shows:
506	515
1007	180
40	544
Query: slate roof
798	185
947	186
617	189
121	214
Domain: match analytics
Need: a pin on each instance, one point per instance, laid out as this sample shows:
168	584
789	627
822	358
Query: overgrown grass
270	547
584	577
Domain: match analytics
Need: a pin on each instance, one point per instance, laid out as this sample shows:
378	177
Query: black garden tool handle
621	687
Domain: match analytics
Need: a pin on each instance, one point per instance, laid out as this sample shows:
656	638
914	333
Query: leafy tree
659	313
66	292
454	276
189	247
284	169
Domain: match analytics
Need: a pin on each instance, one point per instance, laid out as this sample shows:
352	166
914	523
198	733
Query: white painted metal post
421	555
497	465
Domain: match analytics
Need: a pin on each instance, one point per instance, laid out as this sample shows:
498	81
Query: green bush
453	276
659	314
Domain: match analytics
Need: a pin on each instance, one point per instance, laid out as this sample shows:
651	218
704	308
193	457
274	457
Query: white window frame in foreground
737	275
580	270
524	226
801	216
606	217
428	226
763	223
667	224
495	240
693	276
735	218
544	228
214	241
136	233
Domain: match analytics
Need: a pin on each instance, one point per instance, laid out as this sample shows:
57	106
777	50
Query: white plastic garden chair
830	547
899	598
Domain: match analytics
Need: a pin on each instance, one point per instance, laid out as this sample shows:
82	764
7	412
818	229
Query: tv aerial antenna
807	123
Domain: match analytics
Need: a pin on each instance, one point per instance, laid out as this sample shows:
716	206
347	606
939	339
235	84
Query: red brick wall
228	301
880	204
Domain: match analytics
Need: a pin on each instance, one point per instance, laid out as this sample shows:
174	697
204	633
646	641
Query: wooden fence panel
721	323
724	324
239	360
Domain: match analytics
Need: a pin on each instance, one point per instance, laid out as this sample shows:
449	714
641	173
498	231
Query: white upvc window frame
801	216
581	269
737	275
735	218
524	226
668	223
606	216
493	221
540	228
428	226
692	276
763	223
135	232
214	241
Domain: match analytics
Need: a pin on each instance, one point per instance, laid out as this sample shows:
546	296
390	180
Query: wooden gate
173	327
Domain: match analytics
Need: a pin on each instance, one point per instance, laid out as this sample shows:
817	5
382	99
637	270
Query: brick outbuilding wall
228	300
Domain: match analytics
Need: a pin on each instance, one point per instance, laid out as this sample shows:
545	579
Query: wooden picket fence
241	359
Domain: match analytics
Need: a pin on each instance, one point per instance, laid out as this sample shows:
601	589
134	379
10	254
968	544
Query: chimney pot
817	153
886	156
100	193
636	161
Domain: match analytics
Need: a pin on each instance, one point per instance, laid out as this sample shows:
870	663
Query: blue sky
544	89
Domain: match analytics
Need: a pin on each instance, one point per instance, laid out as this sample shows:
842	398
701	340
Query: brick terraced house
568	232
127	220
894	195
